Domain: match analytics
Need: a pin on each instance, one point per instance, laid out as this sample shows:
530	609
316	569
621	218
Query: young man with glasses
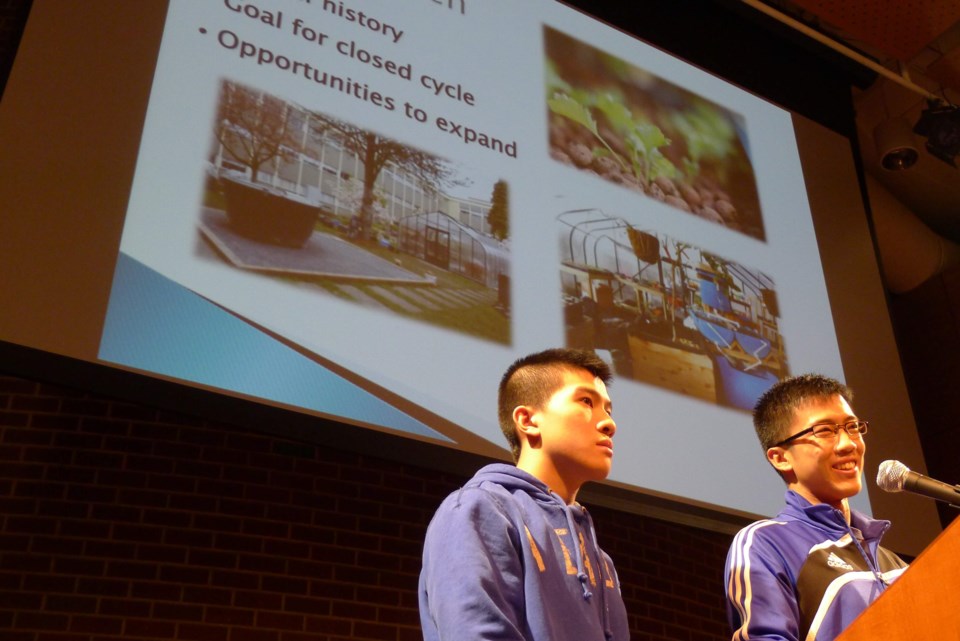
809	571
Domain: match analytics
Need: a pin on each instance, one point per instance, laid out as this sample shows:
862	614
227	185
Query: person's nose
845	442
607	426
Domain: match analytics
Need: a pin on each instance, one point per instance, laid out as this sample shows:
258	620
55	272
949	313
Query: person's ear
525	418
779	460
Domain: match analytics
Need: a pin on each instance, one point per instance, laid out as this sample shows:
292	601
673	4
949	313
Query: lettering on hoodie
561	532
535	550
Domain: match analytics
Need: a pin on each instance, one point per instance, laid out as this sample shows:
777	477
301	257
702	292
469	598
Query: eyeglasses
829	431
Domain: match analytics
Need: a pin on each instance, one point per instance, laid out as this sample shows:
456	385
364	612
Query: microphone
894	476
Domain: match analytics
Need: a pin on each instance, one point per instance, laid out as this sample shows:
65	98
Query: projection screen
364	211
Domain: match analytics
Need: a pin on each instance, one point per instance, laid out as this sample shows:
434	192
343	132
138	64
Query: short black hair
531	380
775	409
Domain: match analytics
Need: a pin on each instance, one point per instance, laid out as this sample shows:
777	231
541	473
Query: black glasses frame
854	429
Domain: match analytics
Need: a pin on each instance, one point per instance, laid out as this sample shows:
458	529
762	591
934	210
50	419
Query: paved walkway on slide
353	273
323	255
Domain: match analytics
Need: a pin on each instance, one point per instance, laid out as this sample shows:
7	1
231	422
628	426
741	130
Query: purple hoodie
505	558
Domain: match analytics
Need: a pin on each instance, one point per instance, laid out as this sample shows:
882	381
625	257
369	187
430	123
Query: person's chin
849	489
601	472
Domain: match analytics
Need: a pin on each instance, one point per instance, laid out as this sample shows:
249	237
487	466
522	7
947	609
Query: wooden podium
924	603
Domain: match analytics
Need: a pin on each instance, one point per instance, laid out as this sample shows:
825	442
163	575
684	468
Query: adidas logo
835	561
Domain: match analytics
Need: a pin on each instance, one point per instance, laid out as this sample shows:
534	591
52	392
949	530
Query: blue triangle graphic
157	325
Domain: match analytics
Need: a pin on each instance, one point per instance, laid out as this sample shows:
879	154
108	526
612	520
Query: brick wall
121	521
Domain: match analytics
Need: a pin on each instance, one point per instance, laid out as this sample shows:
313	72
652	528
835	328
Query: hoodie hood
513	479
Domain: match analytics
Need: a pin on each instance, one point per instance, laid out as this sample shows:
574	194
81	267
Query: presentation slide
369	209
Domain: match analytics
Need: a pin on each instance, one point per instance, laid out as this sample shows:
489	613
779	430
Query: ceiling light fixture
895	146
894	140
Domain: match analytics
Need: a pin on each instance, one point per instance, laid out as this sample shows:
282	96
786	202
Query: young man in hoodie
809	571
512	555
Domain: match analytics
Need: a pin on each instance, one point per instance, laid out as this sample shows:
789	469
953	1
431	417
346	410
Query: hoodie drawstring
581	574
607	632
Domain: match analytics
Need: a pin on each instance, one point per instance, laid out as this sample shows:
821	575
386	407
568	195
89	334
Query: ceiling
914	46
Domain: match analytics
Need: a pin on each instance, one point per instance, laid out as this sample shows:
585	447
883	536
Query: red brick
156	591
249	634
260	527
167	518
362	630
201	436
84	407
40	621
238	543
70	603
130	609
279	621
207	596
235	580
103	587
126	569
229	616
285	585
10	506
329	625
197	632
149	628
21	600
14	419
260	600
178	612
185	575
132	412
286	549
210	558
21	471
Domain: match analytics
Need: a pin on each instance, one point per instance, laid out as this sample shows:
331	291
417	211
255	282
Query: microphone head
891	475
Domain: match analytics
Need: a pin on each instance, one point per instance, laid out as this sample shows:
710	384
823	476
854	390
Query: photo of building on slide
668	313
631	128
347	212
